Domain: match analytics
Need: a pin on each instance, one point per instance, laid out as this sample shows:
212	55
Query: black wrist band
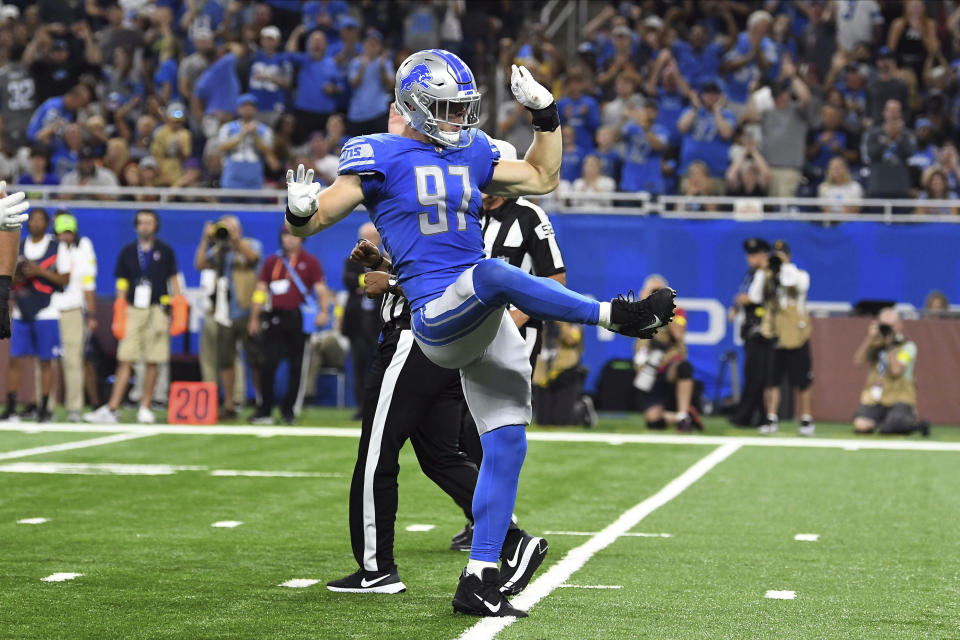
297	221
546	119
379	262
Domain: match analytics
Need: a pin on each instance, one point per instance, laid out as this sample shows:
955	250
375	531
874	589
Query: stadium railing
613	203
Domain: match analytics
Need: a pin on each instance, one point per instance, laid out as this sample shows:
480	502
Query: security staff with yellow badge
76	304
146	275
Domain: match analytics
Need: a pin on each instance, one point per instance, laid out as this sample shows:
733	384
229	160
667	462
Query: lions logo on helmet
436	94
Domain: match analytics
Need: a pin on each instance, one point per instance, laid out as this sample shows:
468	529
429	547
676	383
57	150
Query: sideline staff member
756	335
146	274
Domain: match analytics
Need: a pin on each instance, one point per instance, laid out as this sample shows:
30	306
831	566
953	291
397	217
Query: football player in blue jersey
422	191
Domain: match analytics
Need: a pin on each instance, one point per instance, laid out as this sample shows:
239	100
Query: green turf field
885	565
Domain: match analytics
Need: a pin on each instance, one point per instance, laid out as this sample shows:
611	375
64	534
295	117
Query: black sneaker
924	428
29	413
642	318
10	415
478	597
463	540
368	582
522	554
44	416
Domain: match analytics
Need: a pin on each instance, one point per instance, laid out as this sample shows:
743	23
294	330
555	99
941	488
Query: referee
407	396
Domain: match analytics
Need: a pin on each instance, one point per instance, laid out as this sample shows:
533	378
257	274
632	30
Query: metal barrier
559	202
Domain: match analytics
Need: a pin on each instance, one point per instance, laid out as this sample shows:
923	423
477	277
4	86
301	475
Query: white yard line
78	444
560	573
593	533
893	444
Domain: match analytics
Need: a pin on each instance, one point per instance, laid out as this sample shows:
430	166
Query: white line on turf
33	520
98	469
559	573
807	537
234	473
781	595
593	533
591	586
536	436
227	524
61	577
298	583
89	469
79	444
420	527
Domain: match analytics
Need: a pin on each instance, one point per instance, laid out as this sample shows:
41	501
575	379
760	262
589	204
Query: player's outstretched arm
311	209
539	171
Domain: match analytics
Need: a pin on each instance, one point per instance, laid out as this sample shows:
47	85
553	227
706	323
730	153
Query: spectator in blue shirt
371	77
671	95
753	57
573	155
246	145
707	129
201	15
579	111
623	57
319	83
926	155
271	76
323	14
39	171
48	121
215	94
645	141
697	58
829	140
611	159
165	77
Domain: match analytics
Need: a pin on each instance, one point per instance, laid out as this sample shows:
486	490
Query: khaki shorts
147	337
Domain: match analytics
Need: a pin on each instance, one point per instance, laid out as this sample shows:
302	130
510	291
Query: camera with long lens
885	330
221	233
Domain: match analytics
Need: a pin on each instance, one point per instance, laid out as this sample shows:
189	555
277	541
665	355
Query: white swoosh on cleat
493	609
365	583
516	557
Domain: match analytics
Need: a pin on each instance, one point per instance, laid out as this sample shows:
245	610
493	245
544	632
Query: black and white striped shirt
518	232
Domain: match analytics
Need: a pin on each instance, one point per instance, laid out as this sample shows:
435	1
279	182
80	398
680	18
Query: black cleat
521	556
924	428
369	582
476	597
463	540
642	318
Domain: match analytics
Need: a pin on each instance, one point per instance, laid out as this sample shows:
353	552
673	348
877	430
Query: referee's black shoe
462	540
369	582
522	554
482	597
641	318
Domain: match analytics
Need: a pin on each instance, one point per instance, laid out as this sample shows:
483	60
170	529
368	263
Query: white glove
302	193
528	91
13	209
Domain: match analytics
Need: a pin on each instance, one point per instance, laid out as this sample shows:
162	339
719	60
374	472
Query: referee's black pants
758	355
406	396
283	339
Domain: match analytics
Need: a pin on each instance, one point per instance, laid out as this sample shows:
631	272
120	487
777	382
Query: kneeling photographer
228	265
888	403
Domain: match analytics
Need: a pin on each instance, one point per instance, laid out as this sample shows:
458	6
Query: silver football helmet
437	95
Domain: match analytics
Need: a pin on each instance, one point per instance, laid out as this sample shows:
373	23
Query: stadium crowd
838	99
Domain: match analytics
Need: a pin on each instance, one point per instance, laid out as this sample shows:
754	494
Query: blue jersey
426	205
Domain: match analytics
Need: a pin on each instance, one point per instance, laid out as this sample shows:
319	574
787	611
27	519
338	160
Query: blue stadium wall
607	255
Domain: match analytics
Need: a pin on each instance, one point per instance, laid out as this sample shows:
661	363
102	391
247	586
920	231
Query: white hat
507	150
9	11
270	31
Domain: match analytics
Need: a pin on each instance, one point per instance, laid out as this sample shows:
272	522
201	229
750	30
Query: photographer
228	263
756	335
664	377
786	304
888	403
